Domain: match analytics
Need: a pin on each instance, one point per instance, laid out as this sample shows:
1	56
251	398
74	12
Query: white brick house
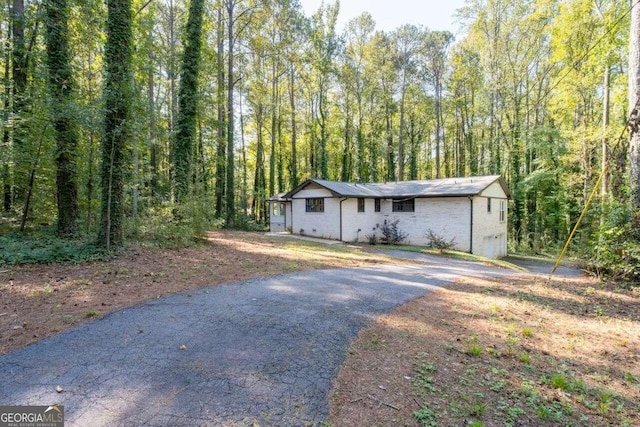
471	210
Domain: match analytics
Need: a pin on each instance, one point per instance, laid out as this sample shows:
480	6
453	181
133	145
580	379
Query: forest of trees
122	114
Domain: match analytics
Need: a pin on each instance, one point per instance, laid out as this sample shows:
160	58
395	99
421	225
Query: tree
187	101
61	89
407	40
634	105
436	46
117	129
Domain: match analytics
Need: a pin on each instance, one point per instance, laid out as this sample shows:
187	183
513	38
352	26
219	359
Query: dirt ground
478	353
37	301
498	353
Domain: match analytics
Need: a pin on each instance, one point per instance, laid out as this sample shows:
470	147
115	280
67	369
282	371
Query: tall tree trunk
6	147
634	105
230	190
391	164
151	99
294	133
188	99
173	93
438	126
605	127
259	184
117	128
221	145
400	176
346	153
274	124
245	179
61	89
19	74
92	148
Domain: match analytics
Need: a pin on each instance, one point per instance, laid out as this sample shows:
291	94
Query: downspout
341	217
471	227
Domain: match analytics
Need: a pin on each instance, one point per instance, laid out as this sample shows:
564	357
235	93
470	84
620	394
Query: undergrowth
43	247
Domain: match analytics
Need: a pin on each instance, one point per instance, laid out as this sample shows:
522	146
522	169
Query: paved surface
261	351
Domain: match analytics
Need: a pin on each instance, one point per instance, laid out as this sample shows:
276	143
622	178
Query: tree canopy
204	109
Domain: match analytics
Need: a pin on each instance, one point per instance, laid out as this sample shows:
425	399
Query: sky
391	14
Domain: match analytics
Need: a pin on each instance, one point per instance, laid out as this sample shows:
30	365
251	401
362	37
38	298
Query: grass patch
464	256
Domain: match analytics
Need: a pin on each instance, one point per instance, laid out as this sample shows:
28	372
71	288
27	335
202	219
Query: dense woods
131	117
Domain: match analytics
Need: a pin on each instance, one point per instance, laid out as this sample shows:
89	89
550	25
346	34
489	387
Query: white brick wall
489	234
449	217
317	224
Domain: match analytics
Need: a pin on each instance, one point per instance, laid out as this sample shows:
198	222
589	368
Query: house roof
280	197
447	187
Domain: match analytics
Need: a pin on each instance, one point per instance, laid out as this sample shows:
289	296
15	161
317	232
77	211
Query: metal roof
447	187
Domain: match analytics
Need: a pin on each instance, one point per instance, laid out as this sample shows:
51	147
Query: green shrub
245	223
173	225
372	239
437	241
391	234
617	243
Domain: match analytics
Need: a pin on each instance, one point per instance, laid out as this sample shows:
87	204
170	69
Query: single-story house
470	211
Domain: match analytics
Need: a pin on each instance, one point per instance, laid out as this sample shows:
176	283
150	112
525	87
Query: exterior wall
356	226
448	217
282	221
317	224
489	234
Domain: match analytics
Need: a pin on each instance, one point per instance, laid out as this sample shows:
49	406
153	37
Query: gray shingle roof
447	187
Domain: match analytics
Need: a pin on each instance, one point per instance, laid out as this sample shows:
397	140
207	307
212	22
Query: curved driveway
262	351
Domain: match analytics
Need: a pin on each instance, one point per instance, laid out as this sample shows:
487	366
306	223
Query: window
489	205
408	205
376	205
275	209
503	211
315	205
360	204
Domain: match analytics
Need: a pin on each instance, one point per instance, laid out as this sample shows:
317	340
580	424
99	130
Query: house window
360	204
376	205
315	205
276	209
503	211
489	205
408	205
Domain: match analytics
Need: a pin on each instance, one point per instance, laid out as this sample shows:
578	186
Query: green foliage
44	247
117	122
423	378
245	223
173	226
437	241
391	234
617	243
426	417
372	238
188	101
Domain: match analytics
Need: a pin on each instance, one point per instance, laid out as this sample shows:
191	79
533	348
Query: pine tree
117	129
187	100
61	89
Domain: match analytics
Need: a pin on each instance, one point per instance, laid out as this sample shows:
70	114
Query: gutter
346	198
471	226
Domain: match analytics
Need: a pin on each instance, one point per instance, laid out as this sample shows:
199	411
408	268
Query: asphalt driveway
261	351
